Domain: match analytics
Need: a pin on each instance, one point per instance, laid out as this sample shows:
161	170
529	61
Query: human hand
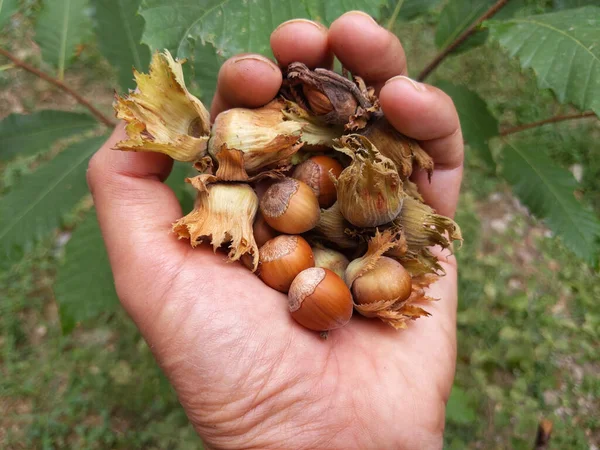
247	375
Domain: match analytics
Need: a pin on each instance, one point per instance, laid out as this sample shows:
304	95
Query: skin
247	375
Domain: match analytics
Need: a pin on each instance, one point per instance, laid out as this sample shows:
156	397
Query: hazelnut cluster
311	191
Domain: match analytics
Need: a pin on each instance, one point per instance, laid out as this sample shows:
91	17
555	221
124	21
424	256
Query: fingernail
418	86
364	14
317	25
257	58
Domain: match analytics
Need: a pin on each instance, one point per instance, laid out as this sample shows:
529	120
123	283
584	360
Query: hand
247	375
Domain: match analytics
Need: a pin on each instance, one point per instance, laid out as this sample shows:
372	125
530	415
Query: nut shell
262	231
320	300
315	172
387	280
290	206
281	259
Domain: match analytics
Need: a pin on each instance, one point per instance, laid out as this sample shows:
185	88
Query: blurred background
75	373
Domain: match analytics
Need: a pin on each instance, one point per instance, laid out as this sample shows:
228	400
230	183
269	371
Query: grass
528	322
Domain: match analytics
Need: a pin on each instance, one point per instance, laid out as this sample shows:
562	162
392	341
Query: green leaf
326	12
549	192
84	287
60	27
26	134
409	9
570	4
456	17
562	48
477	122
7	9
458	409
35	207
119	31
232	26
205	64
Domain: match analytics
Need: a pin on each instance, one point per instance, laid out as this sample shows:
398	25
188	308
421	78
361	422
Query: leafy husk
423	228
161	115
394	312
402	150
223	212
335	228
369	190
331	96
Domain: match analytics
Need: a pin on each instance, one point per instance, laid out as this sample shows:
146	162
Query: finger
367	49
247	81
304	41
135	211
428	115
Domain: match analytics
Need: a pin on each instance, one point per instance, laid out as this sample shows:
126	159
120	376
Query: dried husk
335	228
394	312
330	259
369	190
331	96
246	142
223	213
161	115
423	228
401	149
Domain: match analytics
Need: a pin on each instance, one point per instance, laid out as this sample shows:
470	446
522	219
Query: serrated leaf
456	17
414	8
458	409
326	12
61	25
27	134
570	4
119	32
7	9
35	207
549	192
477	122
232	26
562	48
84	287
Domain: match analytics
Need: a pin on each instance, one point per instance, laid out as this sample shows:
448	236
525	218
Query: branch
460	39
22	64
554	119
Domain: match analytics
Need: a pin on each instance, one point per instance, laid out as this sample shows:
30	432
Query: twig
23	65
460	39
554	119
394	15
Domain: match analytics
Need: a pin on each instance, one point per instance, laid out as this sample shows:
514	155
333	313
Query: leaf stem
394	15
23	65
561	118
460	39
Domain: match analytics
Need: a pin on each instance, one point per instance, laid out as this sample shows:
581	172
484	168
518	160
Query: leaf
34	207
7	9
326	12
205	64
232	26
562	49
458	409
409	9
477	122
569	4
548	191
84	287
26	134
61	26
456	17
119	31
176	182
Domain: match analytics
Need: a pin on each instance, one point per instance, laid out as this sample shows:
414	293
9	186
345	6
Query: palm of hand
247	375
250	368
